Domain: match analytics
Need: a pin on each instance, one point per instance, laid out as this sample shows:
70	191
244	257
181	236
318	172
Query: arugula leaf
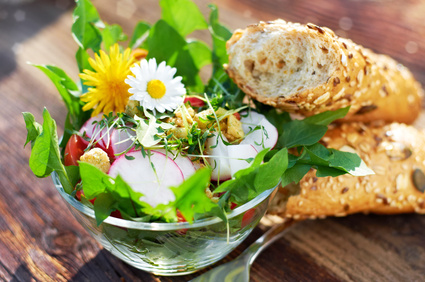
111	34
331	162
67	89
140	33
220	34
191	197
244	187
103	206
45	156
85	28
33	128
294	174
349	162
200	53
300	133
94	180
73	173
270	173
183	15
176	54
327	117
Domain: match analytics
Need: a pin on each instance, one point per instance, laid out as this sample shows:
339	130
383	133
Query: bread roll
396	152
307	69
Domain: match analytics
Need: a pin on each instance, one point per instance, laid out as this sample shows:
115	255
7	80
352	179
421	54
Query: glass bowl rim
158	226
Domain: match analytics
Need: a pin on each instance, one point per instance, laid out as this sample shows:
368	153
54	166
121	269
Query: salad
147	139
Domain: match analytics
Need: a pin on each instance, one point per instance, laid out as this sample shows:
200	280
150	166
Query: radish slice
238	156
93	130
121	140
139	174
265	137
219	158
184	163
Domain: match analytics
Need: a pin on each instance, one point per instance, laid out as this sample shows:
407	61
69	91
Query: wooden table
40	240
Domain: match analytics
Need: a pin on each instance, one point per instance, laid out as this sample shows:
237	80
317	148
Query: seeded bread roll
307	69
396	152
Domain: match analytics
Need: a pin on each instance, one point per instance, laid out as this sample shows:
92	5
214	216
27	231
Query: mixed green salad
146	139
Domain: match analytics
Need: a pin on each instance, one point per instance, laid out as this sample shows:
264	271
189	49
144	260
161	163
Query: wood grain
39	239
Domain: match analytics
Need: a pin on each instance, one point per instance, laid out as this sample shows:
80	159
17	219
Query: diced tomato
194	101
233	206
246	218
74	150
237	115
116	213
180	218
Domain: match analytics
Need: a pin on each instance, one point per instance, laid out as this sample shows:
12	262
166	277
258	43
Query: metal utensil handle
274	233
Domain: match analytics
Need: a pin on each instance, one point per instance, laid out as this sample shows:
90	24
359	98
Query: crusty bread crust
396	152
307	69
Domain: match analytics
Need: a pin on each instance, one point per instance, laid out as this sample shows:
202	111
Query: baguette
307	69
396	153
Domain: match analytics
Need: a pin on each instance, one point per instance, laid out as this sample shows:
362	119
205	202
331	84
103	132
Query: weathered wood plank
39	239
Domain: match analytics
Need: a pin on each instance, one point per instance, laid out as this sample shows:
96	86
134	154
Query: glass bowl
170	248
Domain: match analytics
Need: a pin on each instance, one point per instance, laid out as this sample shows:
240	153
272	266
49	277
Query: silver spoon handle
274	233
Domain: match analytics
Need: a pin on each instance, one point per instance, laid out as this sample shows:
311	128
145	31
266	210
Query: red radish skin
93	131
141	177
120	140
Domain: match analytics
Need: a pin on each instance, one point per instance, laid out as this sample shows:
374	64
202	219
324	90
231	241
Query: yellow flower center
156	88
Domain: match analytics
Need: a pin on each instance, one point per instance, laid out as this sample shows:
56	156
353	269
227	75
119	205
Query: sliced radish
265	137
121	140
184	163
140	175
219	158
239	156
102	136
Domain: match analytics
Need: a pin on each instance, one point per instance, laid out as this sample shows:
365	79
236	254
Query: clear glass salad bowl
170	248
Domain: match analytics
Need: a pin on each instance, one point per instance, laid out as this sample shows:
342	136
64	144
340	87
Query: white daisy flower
155	86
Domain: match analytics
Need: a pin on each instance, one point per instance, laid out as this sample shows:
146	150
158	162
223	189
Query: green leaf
349	162
127	199
324	171
242	187
45	156
200	53
94	180
270	173
191	197
140	33
103	206
69	92
183	15
295	174
85	28
111	34
300	133
33	128
220	34
82	58
73	173
327	117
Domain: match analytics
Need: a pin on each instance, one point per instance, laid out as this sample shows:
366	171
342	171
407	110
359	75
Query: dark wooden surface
40	240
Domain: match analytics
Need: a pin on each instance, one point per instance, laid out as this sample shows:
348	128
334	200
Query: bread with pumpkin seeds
396	153
307	69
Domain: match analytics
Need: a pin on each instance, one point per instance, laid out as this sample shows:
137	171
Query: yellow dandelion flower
108	91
